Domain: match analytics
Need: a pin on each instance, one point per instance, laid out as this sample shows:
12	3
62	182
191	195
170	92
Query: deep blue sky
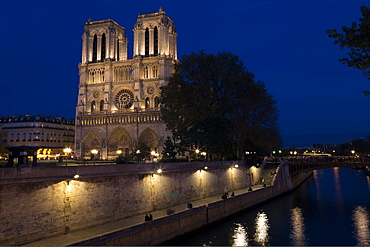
283	42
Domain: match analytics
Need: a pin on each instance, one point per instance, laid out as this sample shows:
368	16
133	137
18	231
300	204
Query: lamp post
138	154
94	152
67	151
197	151
204	155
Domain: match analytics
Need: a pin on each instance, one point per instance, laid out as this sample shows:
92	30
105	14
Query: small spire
89	20
160	9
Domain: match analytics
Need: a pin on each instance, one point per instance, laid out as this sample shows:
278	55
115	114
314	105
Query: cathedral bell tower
154	35
103	40
118	98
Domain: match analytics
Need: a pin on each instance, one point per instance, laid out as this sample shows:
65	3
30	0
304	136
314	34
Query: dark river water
330	208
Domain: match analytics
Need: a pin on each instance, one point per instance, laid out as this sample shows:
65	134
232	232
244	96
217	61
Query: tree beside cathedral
213	104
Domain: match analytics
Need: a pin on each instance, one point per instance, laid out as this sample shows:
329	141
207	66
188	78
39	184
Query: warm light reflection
297	234
338	190
240	235
316	175
262	226
360	217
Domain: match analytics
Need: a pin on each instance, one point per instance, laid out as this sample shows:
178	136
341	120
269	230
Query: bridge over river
305	164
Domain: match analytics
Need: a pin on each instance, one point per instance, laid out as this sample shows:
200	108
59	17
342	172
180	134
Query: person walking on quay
150	216
226	191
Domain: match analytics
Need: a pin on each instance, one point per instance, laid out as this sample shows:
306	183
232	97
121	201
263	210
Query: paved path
84	234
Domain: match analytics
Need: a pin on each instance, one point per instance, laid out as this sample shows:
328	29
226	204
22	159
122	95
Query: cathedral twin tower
118	98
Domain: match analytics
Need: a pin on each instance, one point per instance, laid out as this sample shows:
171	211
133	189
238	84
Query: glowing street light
67	151
119	152
94	153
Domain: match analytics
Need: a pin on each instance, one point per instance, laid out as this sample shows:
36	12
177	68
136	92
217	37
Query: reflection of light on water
297	233
360	218
240	236
368	182
338	190
262	227
316	179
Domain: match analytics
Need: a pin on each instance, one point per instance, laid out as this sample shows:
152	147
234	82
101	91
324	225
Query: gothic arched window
147	42
93	106
156	102
156	41
117	49
102	105
155	72
146	72
147	103
95	49
103	46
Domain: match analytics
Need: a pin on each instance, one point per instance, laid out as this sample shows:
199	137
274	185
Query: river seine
330	208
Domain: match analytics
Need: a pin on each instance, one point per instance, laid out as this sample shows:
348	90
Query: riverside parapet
37	203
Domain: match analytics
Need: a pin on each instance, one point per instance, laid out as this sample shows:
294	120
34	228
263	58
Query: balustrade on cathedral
123	117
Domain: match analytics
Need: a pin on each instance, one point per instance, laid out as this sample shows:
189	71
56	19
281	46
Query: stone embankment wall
152	232
40	202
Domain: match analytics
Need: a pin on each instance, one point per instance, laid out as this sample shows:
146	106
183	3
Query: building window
147	103
146	72
93	106
156	102
117	49
103	46
95	49
156	41
155	71
102	105
146	42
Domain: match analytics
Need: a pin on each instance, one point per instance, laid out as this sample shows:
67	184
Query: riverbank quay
135	231
42	203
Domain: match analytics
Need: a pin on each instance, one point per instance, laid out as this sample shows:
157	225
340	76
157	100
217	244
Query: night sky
283	42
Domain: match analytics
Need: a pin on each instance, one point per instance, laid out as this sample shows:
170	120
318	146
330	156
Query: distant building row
47	135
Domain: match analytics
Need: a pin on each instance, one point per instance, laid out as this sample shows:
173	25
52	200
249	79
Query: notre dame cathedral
118	98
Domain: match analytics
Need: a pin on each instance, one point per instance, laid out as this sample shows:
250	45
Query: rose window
124	99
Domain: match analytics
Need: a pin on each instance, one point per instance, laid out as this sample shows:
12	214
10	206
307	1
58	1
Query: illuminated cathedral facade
118	98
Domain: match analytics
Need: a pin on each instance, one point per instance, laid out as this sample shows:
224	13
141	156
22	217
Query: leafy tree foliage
357	39
169	149
214	104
